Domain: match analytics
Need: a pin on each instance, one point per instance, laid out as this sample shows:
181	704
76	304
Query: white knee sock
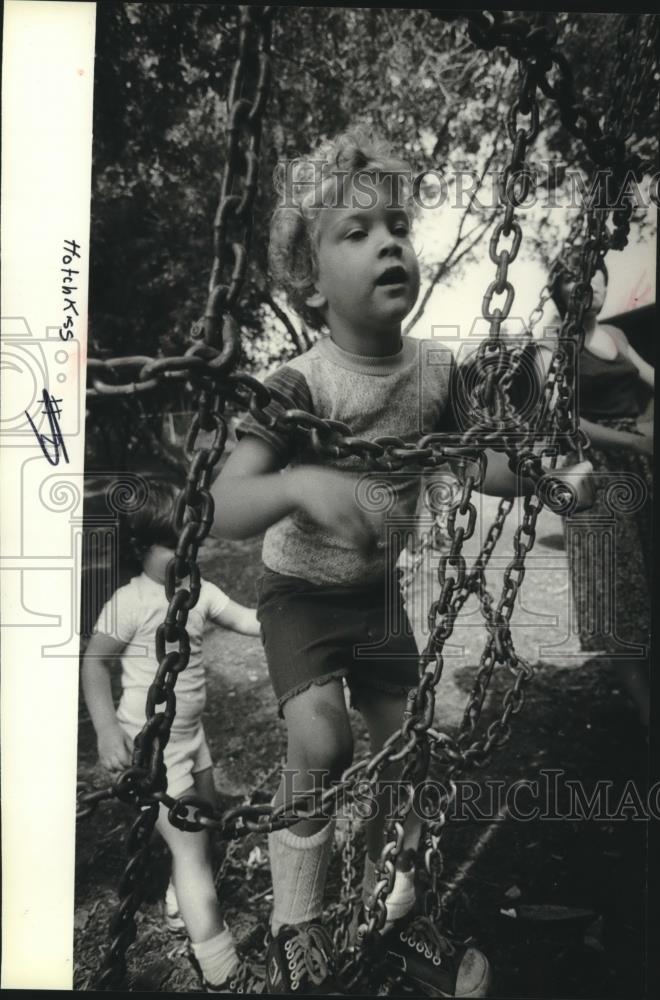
402	898
298	866
217	957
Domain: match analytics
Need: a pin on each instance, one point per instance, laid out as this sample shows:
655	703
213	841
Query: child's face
367	270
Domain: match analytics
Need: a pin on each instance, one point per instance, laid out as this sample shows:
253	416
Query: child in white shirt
126	630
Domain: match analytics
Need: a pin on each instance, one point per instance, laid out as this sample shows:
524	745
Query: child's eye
355	234
401	229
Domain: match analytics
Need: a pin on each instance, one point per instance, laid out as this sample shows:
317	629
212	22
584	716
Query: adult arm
500	481
609	437
599	435
646	371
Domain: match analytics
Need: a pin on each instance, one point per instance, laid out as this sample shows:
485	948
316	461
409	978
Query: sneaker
244	980
434	965
300	959
173	918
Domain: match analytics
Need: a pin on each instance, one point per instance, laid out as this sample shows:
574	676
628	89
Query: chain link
144	783
207	370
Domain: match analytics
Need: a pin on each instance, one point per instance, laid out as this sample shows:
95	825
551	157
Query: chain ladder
144	783
497	364
499	647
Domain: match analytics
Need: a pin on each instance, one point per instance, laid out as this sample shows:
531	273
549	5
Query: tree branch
451	259
300	340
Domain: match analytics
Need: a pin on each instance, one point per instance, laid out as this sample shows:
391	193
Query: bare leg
319	745
383	714
192	873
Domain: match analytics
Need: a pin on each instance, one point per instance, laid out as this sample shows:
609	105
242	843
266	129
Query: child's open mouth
396	275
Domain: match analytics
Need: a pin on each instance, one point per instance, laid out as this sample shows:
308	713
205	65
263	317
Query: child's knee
332	753
325	746
320	737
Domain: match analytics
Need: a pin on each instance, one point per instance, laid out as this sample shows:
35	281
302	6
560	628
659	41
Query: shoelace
244	982
425	938
307	955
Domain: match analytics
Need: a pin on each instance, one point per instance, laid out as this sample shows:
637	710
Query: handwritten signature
51	444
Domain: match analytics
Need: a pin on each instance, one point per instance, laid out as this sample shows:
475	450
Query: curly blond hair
307	185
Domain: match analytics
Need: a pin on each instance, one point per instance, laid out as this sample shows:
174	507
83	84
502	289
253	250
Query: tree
162	73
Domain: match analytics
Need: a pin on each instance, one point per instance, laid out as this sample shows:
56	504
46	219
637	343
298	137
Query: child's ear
316	300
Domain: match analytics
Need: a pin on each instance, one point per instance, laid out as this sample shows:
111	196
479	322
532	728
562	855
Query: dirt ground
575	720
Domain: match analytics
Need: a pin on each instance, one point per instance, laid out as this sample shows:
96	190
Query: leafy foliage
162	73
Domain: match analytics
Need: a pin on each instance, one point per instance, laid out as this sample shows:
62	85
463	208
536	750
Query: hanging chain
207	369
326	438
535	47
349	893
145	782
248	93
545	294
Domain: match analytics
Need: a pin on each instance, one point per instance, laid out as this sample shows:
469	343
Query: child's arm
239	618
114	746
250	495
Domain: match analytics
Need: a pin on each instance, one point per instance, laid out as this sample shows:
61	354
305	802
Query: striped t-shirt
405	395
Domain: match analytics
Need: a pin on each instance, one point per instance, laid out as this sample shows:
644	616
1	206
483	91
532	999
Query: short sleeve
215	601
293	385
119	615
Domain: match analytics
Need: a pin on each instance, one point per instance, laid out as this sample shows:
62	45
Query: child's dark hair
568	269
153	522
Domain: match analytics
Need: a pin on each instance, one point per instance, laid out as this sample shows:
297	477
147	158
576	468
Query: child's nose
390	247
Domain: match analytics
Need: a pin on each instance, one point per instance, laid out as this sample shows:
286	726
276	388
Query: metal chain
208	369
536	48
349	893
248	93
144	783
545	294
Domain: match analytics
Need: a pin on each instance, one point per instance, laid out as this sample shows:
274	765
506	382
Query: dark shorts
314	634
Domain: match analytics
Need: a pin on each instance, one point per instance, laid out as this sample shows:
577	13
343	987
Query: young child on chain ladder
133	615
341	249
